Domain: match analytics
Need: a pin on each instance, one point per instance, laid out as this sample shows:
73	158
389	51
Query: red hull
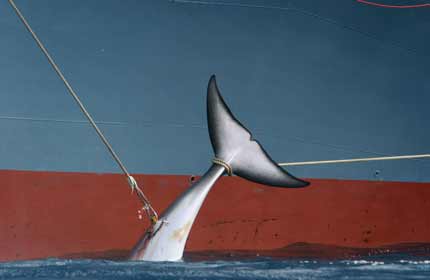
55	214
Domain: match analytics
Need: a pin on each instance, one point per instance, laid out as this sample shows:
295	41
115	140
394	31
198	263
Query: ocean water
397	267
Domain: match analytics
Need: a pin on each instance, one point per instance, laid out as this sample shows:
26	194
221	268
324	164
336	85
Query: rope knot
223	164
132	183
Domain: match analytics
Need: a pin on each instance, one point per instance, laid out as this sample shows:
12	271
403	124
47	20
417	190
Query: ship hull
65	214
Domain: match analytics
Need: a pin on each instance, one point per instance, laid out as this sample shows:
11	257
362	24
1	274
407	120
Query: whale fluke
235	152
233	144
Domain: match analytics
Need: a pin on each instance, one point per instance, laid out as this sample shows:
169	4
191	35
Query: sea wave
241	269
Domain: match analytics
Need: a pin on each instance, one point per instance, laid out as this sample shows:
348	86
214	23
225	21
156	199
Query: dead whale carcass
235	152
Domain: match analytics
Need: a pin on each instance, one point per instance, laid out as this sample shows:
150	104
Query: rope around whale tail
147	207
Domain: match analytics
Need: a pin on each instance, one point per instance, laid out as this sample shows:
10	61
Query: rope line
224	164
353	160
132	182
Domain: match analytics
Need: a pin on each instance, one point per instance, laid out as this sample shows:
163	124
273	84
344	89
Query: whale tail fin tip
234	145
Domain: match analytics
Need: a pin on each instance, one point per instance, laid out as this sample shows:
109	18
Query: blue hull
323	80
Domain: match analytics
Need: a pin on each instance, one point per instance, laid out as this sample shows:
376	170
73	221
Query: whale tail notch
234	145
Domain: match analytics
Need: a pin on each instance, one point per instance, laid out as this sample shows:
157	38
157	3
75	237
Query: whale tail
235	151
235	148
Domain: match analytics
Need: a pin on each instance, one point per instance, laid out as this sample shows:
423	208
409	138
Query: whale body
236	152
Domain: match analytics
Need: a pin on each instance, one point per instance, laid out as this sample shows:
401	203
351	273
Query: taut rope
132	182
353	160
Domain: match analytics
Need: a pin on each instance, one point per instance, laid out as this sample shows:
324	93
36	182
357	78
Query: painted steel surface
339	80
88	215
354	82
